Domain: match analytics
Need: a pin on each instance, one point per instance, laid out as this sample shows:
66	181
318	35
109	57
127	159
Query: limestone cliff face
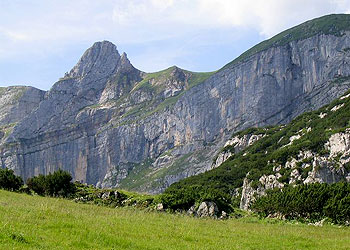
112	125
270	87
17	102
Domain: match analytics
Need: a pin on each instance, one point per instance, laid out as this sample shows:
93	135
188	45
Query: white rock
207	209
335	108
160	207
322	115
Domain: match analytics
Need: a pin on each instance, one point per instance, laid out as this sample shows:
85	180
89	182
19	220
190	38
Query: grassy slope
164	75
331	24
140	111
145	174
196	78
28	222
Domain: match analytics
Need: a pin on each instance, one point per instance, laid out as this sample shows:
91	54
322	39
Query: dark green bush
312	201
57	184
9	181
37	184
25	190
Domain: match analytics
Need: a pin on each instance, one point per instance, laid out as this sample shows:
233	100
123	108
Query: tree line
57	184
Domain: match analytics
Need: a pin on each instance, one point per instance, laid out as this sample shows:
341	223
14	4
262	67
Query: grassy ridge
137	112
32	222
333	24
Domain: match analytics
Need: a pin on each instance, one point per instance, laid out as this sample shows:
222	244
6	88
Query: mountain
110	124
313	148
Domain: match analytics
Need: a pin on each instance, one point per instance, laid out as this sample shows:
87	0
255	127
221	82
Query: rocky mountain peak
124	56
101	59
178	73
125	62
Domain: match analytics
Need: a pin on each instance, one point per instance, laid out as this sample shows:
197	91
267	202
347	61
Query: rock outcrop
207	209
234	146
250	193
110	124
308	167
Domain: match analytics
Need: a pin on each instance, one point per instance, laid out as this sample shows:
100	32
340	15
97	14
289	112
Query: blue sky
40	40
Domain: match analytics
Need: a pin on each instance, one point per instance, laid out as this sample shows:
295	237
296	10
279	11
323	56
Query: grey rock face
17	102
98	72
99	61
270	87
94	122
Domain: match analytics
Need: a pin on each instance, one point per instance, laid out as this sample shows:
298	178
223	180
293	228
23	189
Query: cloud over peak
42	31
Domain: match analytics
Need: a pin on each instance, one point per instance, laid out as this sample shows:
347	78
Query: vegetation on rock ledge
262	157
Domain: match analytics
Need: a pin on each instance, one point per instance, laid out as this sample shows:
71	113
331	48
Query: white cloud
266	16
147	20
38	29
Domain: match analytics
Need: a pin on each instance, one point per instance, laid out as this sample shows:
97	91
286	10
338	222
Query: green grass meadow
34	222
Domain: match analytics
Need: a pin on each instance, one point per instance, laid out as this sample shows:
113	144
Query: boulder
159	207
117	195
207	209
107	195
223	216
192	211
318	223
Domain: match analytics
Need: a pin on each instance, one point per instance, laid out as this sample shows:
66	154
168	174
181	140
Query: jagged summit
125	62
101	59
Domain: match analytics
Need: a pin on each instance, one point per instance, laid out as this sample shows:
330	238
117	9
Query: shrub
312	201
9	181
37	184
57	184
183	198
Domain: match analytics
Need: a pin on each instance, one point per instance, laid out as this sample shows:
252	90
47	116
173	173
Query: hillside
63	224
313	148
112	125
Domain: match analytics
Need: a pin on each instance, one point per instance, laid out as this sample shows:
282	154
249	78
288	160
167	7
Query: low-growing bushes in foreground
313	202
112	197
9	181
58	183
178	198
